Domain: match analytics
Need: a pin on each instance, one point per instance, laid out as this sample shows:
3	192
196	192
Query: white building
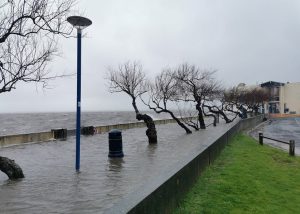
284	98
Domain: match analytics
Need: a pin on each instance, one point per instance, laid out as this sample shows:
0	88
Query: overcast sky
249	41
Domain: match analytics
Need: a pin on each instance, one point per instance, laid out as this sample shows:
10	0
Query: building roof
271	84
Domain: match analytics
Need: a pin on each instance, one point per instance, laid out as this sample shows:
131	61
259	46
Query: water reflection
151	150
115	164
17	182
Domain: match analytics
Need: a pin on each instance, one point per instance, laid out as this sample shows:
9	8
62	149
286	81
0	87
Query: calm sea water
38	122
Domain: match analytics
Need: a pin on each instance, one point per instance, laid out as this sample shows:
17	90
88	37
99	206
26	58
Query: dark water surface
52	185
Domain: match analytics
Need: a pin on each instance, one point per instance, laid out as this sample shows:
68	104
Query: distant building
284	98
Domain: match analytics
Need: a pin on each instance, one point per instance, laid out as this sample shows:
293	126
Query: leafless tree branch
130	78
27	39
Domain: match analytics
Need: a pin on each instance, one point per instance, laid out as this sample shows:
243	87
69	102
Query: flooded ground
284	129
52	185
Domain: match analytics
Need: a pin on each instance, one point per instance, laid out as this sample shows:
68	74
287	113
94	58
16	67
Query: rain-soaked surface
52	185
284	129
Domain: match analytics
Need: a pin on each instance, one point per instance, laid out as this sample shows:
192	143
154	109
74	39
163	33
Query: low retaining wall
25	138
165	191
9	140
122	126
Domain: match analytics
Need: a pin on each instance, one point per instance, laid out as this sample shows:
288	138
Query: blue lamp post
79	23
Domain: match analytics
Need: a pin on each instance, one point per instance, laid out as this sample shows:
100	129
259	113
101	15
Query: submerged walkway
52	185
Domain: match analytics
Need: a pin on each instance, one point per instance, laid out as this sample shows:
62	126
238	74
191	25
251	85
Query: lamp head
79	22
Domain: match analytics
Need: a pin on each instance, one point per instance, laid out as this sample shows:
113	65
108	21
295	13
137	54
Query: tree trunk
134	105
10	168
243	114
214	116
151	131
224	116
187	130
200	116
256	110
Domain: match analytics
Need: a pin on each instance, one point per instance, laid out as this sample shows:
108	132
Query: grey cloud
246	41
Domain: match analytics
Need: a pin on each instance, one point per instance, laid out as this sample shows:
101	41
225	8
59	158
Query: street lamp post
79	23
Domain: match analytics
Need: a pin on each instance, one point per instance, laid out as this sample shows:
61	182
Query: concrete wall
103	129
164	193
25	138
9	140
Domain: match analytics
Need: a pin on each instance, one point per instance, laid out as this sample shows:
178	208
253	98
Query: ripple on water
52	185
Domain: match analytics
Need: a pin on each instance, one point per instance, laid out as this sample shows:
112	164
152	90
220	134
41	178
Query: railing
291	143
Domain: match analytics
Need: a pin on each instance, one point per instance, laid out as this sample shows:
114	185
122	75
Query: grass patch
247	178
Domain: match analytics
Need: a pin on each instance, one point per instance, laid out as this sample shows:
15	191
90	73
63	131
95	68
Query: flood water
51	184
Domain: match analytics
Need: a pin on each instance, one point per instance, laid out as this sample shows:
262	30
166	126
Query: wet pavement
284	129
52	185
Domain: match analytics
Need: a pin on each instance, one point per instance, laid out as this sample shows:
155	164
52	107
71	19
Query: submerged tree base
11	168
151	131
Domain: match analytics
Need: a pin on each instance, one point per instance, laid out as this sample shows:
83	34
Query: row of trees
28	41
184	85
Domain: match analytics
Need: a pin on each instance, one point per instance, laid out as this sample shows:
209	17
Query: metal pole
261	137
78	104
292	148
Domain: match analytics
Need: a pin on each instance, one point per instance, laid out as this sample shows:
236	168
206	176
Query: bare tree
24	59
29	17
215	104
210	113
254	98
218	110
188	115
27	39
233	101
195	86
163	91
130	78
241	99
27	44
